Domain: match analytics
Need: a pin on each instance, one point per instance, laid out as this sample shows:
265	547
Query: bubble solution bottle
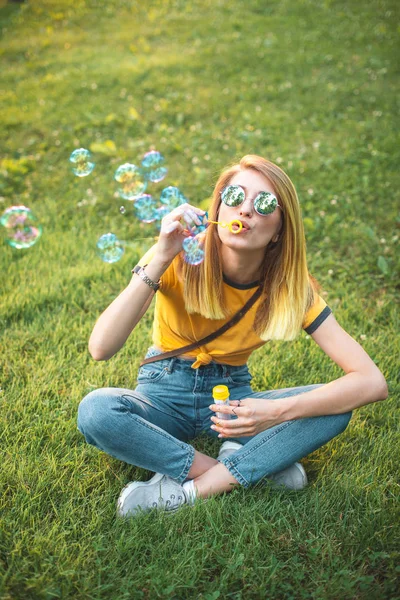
221	396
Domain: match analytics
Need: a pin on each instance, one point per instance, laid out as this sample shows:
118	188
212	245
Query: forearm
118	321
342	395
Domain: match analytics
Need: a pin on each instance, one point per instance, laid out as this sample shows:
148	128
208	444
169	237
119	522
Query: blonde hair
288	290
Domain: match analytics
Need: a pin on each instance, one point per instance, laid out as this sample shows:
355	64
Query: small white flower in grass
322	213
382	241
333	201
363	336
310	191
279	160
331	272
195	160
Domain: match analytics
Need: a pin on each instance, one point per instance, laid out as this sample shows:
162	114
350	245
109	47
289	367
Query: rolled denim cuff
189	461
233	471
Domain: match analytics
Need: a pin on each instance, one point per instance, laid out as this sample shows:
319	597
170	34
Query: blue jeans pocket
152	372
239	376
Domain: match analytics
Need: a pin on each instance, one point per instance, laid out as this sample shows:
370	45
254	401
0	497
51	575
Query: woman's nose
246	208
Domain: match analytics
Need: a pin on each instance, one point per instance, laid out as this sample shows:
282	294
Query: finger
198	211
170	227
228	410
221	408
240	432
189	218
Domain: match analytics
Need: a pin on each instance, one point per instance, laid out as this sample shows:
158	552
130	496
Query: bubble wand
229	225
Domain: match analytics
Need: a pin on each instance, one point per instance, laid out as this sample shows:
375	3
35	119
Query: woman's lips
244	229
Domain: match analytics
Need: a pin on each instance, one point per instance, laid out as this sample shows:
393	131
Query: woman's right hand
173	232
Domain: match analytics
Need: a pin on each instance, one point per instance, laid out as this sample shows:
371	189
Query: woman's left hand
253	416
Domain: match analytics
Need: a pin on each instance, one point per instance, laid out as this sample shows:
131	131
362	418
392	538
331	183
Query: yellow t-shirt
173	327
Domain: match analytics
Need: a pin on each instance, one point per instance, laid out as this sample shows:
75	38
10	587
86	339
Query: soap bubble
109	248
172	197
81	160
193	254
160	213
22	229
145	207
196	229
152	163
131	180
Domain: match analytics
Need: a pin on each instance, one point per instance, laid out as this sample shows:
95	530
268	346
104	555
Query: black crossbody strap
209	338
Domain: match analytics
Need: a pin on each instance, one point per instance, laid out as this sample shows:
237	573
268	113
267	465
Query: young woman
268	432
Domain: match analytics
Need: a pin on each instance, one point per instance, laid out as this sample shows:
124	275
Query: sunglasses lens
265	203
233	195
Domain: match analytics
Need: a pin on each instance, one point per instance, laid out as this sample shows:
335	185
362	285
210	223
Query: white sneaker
294	477
228	448
161	492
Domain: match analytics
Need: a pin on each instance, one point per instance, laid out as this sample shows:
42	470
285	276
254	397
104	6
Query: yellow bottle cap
220	392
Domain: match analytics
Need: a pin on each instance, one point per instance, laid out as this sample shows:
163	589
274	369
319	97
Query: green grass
310	84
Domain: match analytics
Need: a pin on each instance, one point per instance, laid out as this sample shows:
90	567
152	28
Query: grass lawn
310	84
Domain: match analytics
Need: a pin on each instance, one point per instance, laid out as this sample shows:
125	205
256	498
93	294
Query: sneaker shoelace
172	503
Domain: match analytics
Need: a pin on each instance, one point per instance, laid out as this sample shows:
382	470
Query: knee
94	413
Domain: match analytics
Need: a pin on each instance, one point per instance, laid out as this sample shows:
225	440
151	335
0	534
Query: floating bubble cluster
152	163
21	227
132	181
82	163
110	248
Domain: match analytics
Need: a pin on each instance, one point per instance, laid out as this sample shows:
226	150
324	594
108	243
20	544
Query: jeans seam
262	441
187	467
233	471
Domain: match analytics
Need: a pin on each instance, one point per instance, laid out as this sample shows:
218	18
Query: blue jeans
150	426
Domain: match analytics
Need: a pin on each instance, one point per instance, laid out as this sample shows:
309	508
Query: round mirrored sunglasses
264	204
